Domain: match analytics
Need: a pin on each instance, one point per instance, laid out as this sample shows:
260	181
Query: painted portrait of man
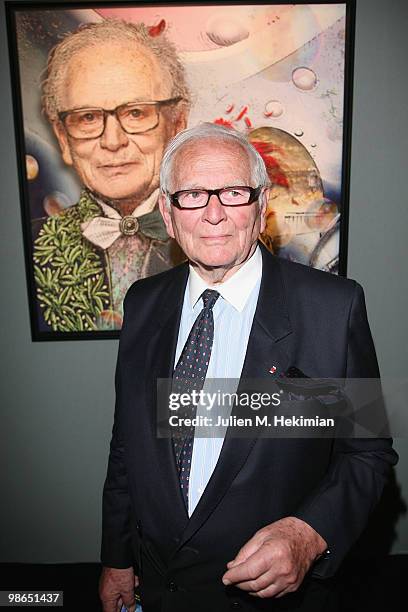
114	96
115	84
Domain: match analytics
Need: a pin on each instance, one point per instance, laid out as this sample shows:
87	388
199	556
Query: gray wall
57	398
378	229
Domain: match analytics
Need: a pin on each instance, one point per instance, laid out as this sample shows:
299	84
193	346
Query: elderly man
114	96
232	523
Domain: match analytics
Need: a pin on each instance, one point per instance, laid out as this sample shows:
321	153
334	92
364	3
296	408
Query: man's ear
166	214
180	122
263	200
62	138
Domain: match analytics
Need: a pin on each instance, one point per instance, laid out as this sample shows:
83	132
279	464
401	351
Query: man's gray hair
109	30
211	131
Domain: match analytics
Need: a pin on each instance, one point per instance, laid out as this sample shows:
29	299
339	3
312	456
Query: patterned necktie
189	375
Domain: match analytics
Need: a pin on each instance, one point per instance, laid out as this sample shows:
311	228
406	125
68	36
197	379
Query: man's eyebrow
191	186
94	107
237	183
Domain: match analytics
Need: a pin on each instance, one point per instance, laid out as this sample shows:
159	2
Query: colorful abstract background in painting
274	72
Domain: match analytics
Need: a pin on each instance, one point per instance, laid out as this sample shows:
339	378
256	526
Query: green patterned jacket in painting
79	285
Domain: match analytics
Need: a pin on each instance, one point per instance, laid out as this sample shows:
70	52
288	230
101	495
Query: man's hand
117	587
275	560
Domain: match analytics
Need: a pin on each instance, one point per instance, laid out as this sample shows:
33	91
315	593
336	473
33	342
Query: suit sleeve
116	548
339	508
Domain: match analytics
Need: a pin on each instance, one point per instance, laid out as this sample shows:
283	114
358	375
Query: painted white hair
215	132
90	36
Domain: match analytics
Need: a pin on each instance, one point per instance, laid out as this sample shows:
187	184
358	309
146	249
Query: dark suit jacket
304	318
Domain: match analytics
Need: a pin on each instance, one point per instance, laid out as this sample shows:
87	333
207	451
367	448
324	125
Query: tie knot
209	297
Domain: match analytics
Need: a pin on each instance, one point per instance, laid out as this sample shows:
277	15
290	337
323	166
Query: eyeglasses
228	196
134	118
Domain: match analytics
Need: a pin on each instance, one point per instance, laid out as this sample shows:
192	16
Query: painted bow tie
103	231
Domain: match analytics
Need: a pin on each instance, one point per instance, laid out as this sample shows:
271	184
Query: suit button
172	587
235	605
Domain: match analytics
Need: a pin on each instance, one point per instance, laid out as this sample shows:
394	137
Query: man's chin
218	258
212	261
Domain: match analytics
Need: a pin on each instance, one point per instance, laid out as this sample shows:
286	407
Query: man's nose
214	212
113	137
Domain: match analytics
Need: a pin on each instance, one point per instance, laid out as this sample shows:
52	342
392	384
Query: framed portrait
99	89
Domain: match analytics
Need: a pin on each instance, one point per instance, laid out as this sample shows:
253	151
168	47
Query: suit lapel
271	325
266	348
162	360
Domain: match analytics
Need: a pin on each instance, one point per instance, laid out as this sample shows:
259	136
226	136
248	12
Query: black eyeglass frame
254	193
157	103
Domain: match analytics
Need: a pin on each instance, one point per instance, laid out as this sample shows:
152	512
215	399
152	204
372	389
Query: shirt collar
236	290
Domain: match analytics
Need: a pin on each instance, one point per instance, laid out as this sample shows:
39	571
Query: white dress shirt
233	315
